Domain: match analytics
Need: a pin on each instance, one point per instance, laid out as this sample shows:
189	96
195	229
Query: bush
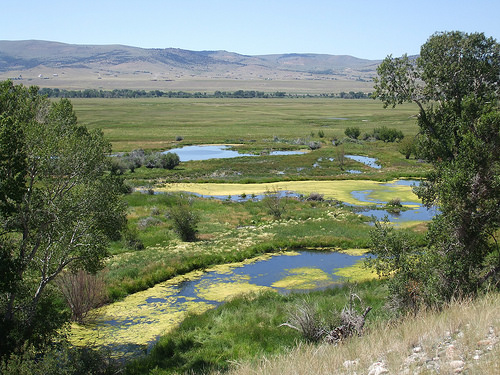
274	203
132	240
313	145
83	292
169	160
353	132
185	219
387	134
136	159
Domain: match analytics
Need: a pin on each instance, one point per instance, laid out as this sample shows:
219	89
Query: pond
371	162
416	212
130	325
207	152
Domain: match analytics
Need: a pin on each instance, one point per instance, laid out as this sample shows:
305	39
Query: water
371	162
421	213
207	152
250	197
127	326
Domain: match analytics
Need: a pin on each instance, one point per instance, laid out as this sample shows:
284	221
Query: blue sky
369	29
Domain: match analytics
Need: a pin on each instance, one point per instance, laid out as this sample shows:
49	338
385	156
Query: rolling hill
54	64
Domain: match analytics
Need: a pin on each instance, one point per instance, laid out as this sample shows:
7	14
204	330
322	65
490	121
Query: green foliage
59	359
185	219
387	134
397	254
60	209
352	132
455	83
407	146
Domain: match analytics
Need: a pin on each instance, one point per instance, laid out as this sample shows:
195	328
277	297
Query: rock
349	364
450	351
458	364
377	368
484	342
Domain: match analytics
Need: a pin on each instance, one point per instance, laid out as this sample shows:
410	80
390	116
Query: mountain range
70	66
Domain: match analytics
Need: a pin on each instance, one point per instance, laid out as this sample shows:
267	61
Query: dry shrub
83	292
304	319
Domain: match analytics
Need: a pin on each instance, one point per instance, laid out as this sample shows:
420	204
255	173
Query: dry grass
429	343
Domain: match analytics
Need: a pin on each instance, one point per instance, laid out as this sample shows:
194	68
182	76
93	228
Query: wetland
237	159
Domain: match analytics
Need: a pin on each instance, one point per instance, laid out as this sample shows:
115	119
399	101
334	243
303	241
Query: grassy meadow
155	123
229	231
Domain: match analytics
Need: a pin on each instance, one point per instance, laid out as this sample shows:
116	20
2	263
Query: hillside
462	338
53	64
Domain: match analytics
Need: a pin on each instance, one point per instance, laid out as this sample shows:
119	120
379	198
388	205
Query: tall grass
464	331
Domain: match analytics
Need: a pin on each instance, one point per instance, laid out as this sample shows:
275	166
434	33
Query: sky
370	29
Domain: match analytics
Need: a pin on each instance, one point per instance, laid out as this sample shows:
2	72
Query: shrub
313	145
136	158
132	240
117	166
353	132
185	219
169	160
83	292
321	133
274	203
387	134
315	197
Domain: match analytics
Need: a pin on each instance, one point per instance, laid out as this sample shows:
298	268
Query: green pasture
156	123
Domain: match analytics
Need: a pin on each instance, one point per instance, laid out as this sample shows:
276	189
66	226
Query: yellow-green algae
305	278
357	272
354	252
337	189
136	321
141	317
223	291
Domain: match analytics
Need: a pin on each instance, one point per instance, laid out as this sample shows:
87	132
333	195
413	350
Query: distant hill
53	64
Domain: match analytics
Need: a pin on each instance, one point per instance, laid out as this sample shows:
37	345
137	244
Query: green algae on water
305	278
357	272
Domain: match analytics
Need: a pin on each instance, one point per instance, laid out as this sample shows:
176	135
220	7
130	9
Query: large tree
455	83
59	206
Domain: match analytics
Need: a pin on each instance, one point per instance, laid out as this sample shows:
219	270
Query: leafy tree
407	146
59	205
456	85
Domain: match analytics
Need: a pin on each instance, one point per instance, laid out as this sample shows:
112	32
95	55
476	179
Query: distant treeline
127	93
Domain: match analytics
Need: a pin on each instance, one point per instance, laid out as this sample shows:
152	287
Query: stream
130	326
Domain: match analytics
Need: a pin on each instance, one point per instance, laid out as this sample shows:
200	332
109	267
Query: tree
455	83
59	206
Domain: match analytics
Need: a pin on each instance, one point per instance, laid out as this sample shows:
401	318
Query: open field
155	123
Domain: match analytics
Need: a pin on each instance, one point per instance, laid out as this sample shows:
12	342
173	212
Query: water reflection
207	152
371	162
